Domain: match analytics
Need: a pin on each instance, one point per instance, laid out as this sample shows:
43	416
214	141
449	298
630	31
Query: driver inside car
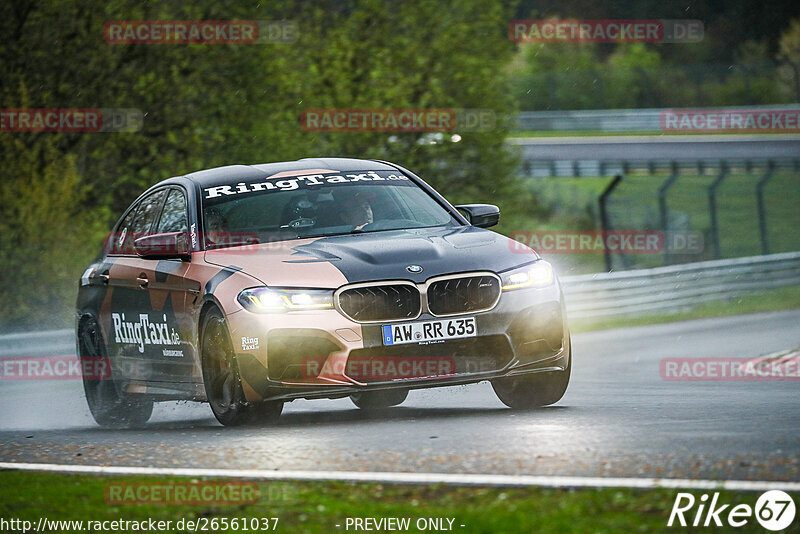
215	224
357	211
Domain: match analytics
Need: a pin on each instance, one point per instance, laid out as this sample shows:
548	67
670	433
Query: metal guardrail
676	287
614	120
617	120
620	293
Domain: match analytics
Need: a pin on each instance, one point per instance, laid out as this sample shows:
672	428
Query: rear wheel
533	390
110	407
375	400
222	381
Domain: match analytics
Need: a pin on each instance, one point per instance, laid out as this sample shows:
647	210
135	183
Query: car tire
266	413
222	381
524	392
109	406
375	400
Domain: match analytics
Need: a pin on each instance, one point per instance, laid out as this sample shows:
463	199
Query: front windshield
316	205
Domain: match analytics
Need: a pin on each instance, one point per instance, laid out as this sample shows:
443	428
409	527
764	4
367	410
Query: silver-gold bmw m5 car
251	285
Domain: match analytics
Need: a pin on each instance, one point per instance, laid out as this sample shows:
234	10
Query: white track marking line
419	478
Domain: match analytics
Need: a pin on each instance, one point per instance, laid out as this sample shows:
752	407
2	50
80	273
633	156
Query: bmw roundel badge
414	269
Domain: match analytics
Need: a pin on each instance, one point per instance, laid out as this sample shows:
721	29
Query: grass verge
320	506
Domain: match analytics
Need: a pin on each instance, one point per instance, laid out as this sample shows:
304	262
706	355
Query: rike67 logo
774	510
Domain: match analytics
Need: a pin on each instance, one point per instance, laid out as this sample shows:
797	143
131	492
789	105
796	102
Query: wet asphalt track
619	418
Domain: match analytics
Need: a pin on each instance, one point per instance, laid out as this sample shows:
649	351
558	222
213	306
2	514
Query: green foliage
315	507
626	75
213	105
586	76
789	56
557	76
47	237
413	55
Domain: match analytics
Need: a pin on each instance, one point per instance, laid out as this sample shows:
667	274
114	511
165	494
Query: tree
213	105
47	237
631	70
789	56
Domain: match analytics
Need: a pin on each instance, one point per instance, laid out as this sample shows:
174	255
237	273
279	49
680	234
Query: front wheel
375	400
533	390
110	407
222	381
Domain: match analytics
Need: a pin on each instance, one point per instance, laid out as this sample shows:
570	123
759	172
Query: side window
119	237
147	213
142	222
174	217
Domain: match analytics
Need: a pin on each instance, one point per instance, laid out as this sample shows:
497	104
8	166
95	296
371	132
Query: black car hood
440	250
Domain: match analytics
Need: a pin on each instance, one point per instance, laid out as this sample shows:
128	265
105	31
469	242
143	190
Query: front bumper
323	354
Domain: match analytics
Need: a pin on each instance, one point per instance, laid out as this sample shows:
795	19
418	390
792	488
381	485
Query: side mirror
171	245
480	215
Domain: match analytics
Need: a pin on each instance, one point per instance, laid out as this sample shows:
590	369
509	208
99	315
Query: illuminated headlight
268	300
540	274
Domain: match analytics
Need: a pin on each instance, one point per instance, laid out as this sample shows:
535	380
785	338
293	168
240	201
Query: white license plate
426	331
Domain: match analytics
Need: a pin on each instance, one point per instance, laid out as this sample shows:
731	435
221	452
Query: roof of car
236	173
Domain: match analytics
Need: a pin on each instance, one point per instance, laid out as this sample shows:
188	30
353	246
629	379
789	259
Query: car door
136	330
169	298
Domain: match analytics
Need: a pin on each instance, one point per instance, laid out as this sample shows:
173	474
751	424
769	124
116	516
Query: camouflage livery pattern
149	311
